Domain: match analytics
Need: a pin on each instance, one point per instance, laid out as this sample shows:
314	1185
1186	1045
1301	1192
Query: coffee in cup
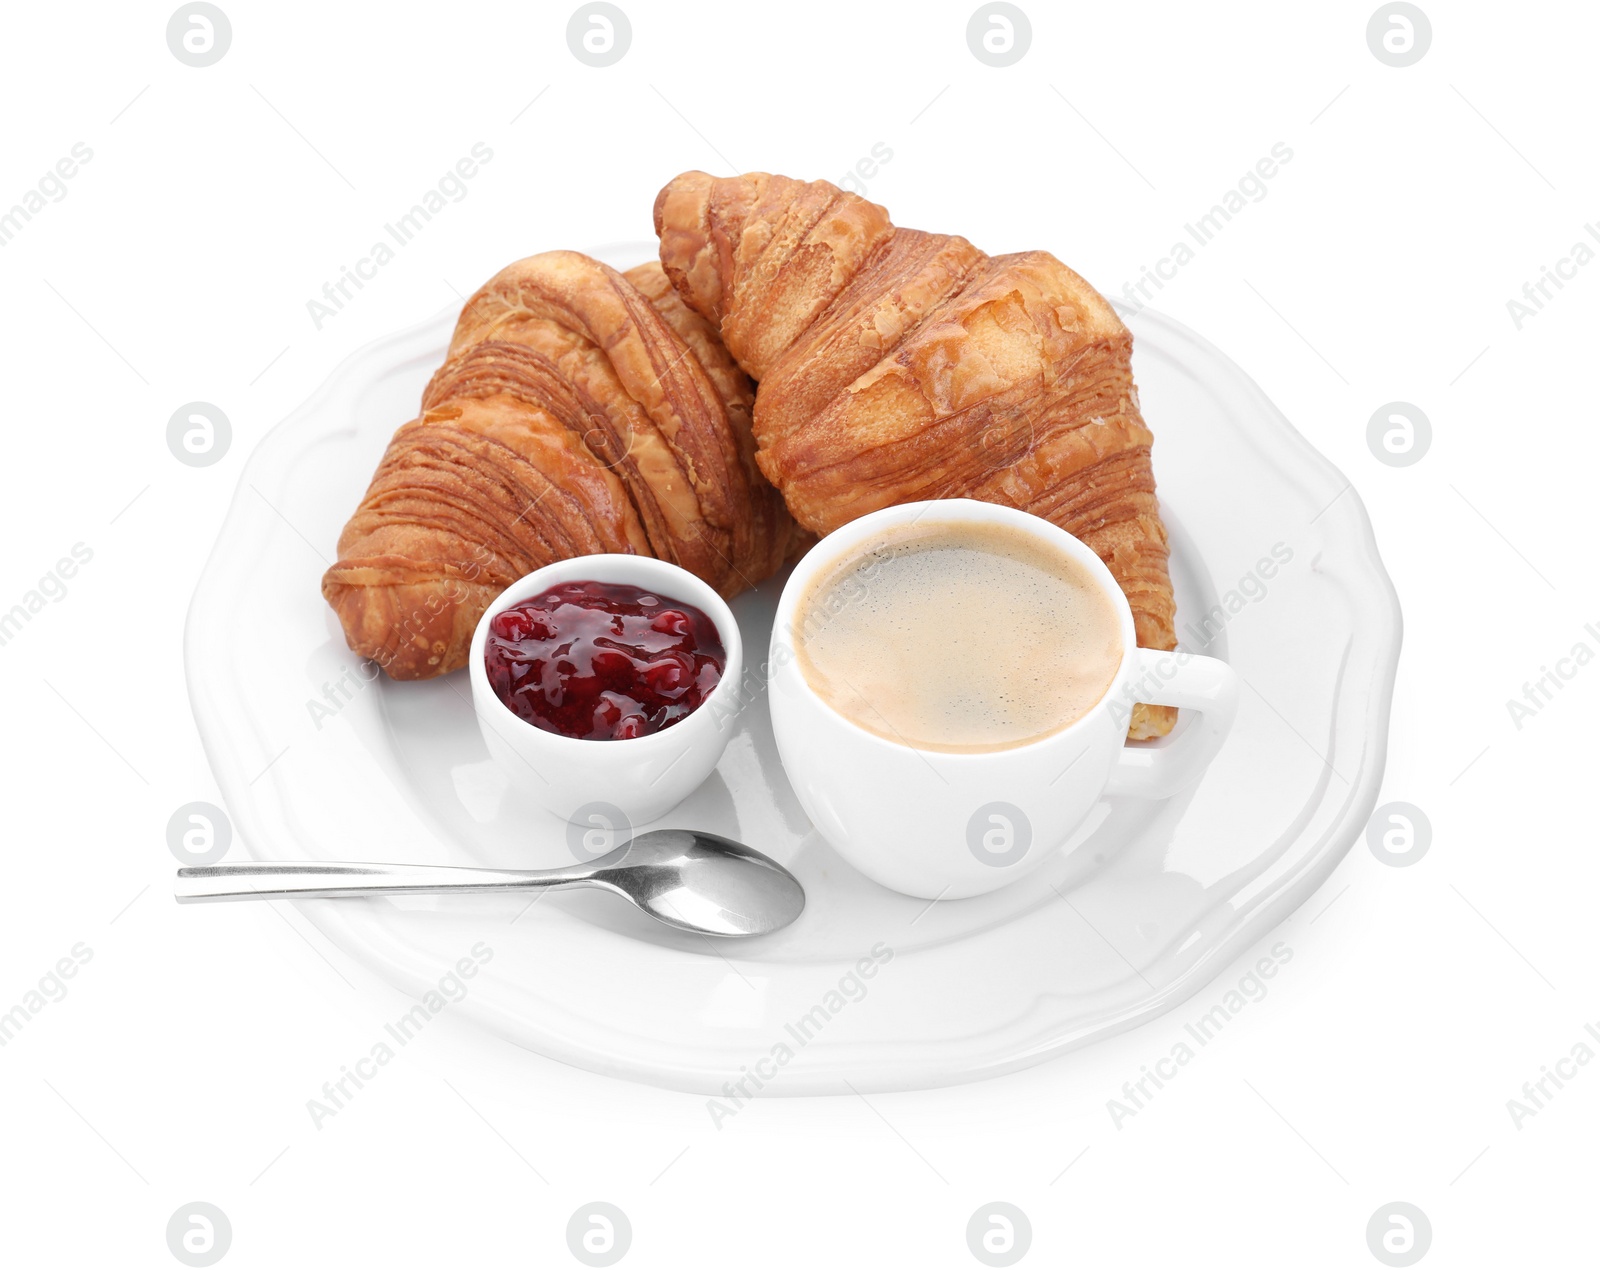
958	637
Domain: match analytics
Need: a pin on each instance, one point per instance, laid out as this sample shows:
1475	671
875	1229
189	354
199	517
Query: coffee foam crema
958	637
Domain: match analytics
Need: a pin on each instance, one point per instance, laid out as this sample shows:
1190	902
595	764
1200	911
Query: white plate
1159	899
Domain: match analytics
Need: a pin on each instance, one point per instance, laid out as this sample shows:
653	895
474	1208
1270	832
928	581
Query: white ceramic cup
640	777
947	825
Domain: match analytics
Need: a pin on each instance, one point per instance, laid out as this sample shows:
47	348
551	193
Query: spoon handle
253	880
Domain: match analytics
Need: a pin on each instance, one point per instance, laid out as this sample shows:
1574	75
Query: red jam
602	661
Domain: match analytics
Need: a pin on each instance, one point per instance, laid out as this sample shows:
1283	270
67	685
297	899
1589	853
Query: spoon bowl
702	882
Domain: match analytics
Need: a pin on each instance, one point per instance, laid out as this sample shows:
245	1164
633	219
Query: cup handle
1202	684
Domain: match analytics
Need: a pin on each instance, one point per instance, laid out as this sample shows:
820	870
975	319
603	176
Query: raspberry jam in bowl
603	661
629	651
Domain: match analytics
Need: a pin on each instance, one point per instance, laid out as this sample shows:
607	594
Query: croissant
895	365
579	410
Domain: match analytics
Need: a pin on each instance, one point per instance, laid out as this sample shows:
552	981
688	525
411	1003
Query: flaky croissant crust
579	410
896	365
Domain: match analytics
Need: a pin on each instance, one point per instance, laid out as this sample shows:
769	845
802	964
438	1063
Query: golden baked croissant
895	365
579	410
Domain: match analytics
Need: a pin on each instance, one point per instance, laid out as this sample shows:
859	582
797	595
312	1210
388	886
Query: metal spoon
690	880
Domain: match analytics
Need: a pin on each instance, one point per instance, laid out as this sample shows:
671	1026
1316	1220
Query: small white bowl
641	777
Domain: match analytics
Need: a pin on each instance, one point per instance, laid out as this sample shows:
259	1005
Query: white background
1378	267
